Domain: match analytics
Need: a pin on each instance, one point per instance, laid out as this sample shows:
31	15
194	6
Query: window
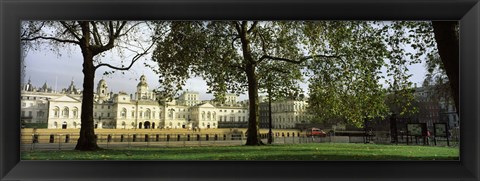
133	114
170	114
239	119
108	114
148	114
141	114
29	113
24	104
123	114
40	114
101	114
108	107
23	113
65	112
75	112
102	106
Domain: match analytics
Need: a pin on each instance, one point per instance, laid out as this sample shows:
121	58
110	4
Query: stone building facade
141	110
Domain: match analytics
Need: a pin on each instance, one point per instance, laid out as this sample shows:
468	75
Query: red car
316	132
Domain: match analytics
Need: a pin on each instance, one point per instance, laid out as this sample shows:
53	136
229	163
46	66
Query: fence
68	141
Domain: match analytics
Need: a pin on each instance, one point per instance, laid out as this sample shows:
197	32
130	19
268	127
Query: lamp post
270	133
99	121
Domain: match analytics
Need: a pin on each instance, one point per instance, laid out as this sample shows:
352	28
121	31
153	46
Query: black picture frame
13	11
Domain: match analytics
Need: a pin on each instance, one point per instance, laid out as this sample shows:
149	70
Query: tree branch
237	27
96	36
303	59
134	59
72	31
50	38
233	41
254	25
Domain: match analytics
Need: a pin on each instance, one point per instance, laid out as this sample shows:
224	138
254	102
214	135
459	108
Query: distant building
288	113
435	110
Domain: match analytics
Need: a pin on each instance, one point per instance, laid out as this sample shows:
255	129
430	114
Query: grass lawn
313	151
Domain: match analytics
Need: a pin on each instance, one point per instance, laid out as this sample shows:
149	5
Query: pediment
206	105
65	98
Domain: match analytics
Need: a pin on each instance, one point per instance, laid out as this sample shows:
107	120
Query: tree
428	39
404	43
95	39
347	86
230	56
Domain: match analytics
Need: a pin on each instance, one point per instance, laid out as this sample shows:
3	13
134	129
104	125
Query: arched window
123	114
75	112
214	116
55	124
56	112
208	115
148	114
203	115
170	113
65	112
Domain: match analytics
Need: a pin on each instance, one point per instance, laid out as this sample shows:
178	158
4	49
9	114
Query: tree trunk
87	140
448	48
253	133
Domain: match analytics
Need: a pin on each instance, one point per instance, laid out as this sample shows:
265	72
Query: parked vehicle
316	132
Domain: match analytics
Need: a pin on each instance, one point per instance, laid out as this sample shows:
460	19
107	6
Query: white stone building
62	110
287	113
